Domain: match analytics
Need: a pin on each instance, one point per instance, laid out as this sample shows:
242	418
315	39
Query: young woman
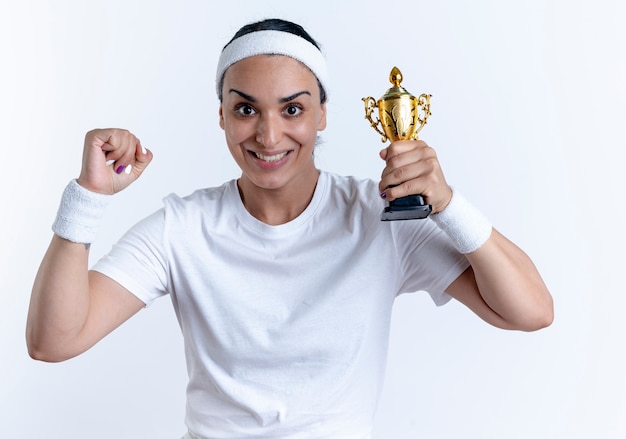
283	280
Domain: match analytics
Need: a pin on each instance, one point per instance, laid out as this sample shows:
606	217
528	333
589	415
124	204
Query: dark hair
279	25
275	24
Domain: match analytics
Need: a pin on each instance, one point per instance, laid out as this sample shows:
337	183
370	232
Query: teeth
270	158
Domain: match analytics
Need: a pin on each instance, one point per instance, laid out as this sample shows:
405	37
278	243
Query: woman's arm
72	308
503	287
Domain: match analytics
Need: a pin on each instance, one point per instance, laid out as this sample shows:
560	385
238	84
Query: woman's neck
278	206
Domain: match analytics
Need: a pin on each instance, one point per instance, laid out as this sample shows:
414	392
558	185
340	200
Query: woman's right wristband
80	213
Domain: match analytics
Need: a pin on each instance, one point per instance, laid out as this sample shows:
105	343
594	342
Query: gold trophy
401	116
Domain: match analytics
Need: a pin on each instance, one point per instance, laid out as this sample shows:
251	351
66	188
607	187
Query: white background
529	111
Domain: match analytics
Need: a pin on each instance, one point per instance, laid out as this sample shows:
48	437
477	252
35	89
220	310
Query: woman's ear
322	122
221	117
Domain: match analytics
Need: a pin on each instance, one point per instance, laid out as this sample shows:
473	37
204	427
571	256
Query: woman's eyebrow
293	96
243	95
281	100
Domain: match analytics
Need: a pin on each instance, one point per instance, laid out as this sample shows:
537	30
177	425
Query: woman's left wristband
465	225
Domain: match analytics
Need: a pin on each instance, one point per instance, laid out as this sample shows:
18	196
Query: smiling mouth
270	158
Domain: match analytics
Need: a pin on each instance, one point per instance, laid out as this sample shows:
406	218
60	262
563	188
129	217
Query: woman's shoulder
200	201
199	196
350	187
350	182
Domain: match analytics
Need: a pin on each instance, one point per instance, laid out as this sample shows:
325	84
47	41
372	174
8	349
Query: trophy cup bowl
401	116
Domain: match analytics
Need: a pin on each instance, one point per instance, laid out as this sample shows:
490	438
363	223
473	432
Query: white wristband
466	226
80	213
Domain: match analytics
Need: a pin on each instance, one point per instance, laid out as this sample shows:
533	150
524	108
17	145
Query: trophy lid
395	77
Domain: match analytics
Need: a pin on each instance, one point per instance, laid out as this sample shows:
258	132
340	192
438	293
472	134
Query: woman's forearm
510	284
59	301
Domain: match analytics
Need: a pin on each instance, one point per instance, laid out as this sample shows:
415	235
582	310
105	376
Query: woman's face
271	114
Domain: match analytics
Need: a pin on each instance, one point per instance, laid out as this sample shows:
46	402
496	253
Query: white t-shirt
285	327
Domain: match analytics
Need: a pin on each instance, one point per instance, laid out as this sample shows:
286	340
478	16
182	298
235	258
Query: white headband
273	42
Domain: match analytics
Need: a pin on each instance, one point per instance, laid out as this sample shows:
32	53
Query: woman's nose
269	130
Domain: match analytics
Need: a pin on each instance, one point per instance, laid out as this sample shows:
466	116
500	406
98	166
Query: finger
399	167
398	176
136	164
399	155
143	157
391	150
411	187
112	142
400	147
425	172
383	154
107	139
120	150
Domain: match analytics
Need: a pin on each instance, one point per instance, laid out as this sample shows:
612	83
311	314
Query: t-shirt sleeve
137	261
429	260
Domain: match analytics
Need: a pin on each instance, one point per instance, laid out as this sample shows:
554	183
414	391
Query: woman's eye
293	110
245	110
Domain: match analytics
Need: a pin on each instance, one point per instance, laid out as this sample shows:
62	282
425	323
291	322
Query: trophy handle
370	105
422	112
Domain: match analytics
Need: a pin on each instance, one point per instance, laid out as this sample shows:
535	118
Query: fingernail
128	169
119	169
143	150
383	195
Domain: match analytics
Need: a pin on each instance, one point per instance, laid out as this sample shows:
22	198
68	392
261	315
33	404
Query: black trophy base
406	208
